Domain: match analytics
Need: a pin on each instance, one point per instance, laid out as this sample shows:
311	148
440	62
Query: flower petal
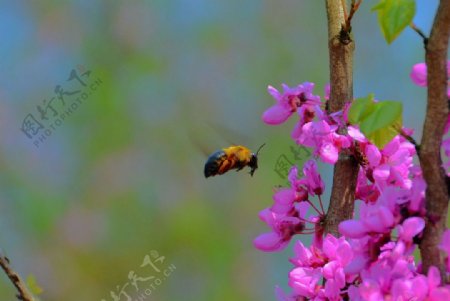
352	228
419	74
276	114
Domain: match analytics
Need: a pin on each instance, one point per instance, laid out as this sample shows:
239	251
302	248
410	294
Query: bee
233	157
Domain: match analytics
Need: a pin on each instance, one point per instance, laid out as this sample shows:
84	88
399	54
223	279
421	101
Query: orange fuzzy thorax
241	153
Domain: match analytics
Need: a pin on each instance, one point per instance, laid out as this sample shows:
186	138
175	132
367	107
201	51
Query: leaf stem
420	32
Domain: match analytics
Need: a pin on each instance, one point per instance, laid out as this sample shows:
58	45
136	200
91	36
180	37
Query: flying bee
233	157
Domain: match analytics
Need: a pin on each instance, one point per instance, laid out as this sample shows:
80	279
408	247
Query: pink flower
374	219
333	286
269	242
394	165
446	146
373	155
307	257
409	289
283	200
353	293
327	91
410	228
289	102
445	242
368	192
284	226
356	134
312	180
286	217
374	259
417	195
445	246
323	137
447	125
303	281
328	261
379	278
436	292
337	250
370	290
419	75
352	228
281	296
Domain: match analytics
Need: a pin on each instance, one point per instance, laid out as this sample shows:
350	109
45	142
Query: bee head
254	160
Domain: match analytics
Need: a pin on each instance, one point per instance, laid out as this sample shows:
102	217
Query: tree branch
430	157
22	290
420	33
341	49
348	19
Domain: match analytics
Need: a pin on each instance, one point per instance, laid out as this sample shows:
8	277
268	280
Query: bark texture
430	157
341	48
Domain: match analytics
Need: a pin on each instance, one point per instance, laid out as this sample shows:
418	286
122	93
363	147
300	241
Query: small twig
315	208
347	26
23	293
410	140
321	205
420	32
353	8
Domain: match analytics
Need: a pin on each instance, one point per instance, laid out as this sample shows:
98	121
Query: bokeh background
121	176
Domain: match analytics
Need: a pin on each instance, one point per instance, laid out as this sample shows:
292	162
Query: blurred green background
122	176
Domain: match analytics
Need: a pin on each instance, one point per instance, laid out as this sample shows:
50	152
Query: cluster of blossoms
373	259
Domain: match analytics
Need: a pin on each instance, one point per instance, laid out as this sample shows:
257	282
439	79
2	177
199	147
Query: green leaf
394	16
35	289
379	5
384	135
384	114
360	108
378	121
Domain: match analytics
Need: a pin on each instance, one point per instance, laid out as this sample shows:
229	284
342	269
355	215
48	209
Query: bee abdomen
213	163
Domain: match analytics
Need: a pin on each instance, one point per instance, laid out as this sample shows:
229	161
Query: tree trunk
430	148
341	49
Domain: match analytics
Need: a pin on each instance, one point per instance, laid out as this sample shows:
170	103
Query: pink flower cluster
373	260
288	214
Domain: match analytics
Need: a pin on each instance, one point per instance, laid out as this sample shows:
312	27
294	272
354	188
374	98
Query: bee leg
224	167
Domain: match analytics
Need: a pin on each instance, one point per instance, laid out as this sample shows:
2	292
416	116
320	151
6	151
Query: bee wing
200	144
231	136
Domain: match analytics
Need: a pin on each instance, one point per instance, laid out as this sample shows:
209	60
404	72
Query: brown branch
353	8
22	290
341	82
430	157
410	140
348	19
